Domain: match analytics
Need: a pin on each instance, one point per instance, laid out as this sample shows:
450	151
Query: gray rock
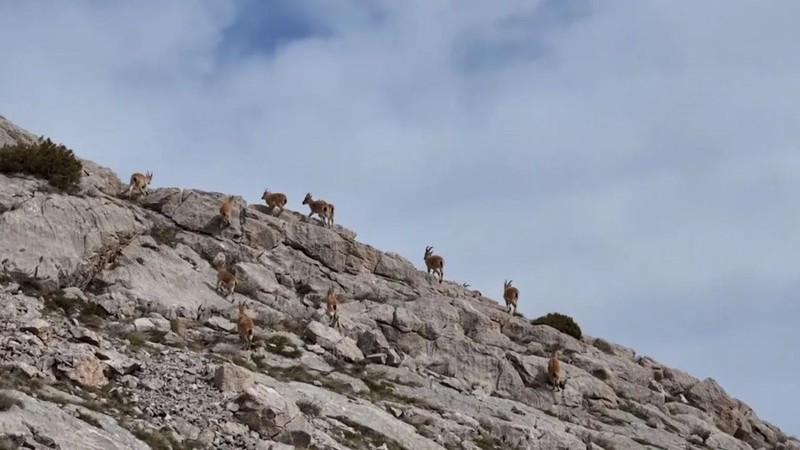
83	335
315	362
83	368
119	363
330	339
39	327
267	411
373	341
159	322
316	349
232	378
220	323
354	385
44	421
143	324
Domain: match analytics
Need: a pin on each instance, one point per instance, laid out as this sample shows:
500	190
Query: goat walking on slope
226	209
226	278
510	295
245	326
434	263
554	371
274	200
332	307
140	181
321	208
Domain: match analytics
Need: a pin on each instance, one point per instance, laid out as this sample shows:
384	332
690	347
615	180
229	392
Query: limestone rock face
114	335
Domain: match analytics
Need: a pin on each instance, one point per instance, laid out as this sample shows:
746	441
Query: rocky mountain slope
114	337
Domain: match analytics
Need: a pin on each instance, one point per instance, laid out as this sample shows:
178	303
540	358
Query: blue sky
633	164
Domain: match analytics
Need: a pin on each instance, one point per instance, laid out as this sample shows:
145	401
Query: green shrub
7	401
90	314
281	345
164	235
560	322
309	408
44	159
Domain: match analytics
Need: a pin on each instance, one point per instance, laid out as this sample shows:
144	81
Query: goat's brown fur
554	369
273	200
226	278
332	305
140	181
226	209
510	295
246	326
434	263
321	208
332	211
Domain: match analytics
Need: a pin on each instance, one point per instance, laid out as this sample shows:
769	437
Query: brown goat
554	370
140	181
226	209
434	263
274	199
321	208
332	306
226	278
510	295
332	210
246	326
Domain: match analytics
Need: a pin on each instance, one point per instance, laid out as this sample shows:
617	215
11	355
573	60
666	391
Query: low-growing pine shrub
7	401
560	322
44	159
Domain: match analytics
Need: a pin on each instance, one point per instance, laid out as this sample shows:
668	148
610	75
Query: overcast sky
631	163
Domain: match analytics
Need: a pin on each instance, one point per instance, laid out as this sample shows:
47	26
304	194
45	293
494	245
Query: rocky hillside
114	337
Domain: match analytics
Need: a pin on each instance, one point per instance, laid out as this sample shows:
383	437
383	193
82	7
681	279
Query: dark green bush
560	322
164	235
44	159
7	401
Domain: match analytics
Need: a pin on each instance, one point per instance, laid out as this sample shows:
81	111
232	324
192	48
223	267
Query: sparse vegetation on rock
7	401
560	322
43	159
164	235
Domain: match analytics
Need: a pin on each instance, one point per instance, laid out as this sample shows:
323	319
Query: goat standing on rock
274	199
224	277
510	295
434	263
246	326
226	209
332	307
332	211
321	208
554	371
141	182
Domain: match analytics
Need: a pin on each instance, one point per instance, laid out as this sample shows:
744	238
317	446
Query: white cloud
630	163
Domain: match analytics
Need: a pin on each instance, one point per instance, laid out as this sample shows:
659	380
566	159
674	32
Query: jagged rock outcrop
114	336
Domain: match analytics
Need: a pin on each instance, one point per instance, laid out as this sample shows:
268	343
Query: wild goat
225	210
321	208
510	295
332	306
554	370
245	325
274	199
141	182
224	277
333	210
434	263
